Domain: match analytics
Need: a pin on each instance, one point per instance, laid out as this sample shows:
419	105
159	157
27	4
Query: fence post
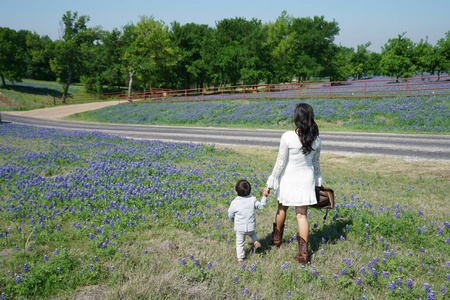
407	85
365	87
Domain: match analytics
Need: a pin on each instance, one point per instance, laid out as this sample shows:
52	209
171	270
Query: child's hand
266	192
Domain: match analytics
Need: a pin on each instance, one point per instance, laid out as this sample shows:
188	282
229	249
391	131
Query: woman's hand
266	192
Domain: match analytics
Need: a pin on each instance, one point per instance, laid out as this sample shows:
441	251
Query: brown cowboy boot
302	256
277	236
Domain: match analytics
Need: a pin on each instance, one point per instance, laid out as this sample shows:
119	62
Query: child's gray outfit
242	212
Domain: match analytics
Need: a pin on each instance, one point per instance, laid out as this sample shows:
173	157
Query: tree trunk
3	80
130	85
66	87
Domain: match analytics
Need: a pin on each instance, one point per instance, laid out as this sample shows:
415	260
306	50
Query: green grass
32	94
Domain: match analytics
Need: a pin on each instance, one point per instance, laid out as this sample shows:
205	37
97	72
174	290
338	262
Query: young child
242	212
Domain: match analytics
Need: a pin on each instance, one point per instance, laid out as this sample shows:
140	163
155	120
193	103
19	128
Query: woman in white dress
295	175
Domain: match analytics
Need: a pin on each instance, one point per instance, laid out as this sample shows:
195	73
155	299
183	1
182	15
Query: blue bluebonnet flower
374	272
409	284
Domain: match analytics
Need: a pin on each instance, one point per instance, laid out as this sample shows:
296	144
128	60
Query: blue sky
359	21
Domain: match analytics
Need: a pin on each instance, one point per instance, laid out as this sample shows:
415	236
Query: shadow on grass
44	91
332	232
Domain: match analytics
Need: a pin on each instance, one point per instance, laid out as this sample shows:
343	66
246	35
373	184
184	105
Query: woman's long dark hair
306	127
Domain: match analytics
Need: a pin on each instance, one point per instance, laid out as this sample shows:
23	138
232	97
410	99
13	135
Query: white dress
295	175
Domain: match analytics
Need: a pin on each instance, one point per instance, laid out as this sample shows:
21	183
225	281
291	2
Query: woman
295	175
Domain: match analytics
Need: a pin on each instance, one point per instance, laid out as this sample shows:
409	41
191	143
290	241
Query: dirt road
60	112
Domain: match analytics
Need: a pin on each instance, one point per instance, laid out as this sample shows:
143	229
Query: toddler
242	212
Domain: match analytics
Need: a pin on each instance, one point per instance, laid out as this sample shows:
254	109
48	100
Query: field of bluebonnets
399	114
86	213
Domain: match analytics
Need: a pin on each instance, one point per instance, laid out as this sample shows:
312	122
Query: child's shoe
240	260
257	246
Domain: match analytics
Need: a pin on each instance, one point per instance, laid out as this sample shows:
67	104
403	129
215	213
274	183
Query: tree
442	50
150	50
302	47
281	41
316	42
397	57
40	51
360	61
12	55
70	53
426	58
373	64
111	51
191	67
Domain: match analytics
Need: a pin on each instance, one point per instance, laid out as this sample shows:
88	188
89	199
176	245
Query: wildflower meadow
398	114
88	212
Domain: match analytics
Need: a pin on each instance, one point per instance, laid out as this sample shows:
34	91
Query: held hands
266	192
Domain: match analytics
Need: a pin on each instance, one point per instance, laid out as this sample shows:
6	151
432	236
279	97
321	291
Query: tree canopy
236	51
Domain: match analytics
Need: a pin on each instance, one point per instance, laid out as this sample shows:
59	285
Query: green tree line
236	51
